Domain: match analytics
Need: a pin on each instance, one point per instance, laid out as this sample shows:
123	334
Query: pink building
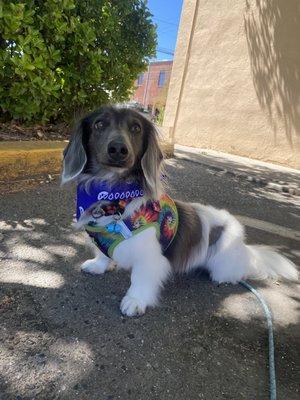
152	84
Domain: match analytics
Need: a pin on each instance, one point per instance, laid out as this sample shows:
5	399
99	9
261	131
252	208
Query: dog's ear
75	156
151	163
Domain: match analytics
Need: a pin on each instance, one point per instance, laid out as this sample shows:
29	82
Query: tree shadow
216	162
65	338
273	29
193	181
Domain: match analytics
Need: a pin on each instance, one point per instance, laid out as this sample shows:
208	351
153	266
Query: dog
119	146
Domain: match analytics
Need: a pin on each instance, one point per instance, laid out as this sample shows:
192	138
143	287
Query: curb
26	159
290	188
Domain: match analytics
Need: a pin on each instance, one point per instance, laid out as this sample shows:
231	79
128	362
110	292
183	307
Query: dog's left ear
75	156
151	163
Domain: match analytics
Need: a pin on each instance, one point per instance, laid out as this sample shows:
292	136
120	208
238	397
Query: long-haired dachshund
115	158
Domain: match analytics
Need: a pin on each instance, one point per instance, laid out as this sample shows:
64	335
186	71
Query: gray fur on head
75	156
151	165
115	144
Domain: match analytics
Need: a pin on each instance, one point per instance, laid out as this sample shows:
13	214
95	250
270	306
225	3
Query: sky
166	15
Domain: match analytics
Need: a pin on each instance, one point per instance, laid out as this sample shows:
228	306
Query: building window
140	79
161	78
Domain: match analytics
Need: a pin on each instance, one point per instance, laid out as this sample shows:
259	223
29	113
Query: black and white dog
120	145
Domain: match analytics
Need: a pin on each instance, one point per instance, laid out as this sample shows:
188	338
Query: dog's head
114	143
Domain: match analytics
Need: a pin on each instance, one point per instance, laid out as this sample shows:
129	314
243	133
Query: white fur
100	263
228	260
149	270
97	265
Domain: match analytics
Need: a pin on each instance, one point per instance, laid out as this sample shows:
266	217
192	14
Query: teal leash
272	375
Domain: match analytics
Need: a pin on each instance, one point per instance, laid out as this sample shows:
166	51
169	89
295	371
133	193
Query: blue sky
166	15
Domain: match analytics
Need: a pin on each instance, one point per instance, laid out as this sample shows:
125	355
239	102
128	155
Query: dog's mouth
106	163
115	164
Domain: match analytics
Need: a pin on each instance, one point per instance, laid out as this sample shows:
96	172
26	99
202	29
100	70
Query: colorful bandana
162	215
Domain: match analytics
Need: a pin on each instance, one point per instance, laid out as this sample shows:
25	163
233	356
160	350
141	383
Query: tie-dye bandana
162	215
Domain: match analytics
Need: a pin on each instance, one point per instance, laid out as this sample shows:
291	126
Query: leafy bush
61	57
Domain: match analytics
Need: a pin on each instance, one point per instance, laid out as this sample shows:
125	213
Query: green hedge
62	57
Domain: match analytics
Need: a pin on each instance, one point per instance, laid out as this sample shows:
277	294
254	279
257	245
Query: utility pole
145	97
146	88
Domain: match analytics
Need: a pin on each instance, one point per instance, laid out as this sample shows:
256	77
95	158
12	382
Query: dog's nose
117	150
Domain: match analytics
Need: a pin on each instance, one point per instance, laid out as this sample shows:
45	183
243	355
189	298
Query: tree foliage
60	57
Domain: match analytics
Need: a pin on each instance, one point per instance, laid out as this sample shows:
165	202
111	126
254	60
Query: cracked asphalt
63	336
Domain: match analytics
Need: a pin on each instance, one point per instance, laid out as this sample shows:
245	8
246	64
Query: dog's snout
117	150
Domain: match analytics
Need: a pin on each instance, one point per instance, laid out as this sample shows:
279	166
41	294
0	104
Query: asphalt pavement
62	333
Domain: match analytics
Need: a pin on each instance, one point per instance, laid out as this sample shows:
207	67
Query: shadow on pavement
217	162
63	336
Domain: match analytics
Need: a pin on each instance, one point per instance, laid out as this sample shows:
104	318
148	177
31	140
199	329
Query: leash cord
272	375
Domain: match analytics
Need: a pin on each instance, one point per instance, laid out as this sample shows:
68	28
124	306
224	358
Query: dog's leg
147	278
99	264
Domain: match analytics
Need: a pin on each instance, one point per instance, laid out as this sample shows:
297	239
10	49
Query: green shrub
62	57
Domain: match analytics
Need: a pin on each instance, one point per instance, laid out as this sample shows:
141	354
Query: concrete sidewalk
62	333
276	177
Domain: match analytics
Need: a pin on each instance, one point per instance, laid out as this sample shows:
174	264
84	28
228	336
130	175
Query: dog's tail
238	261
266	263
231	260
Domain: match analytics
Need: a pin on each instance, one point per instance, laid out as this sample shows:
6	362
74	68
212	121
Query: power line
167	32
165	22
165	51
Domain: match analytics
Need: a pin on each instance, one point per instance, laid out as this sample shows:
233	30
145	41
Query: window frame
140	79
161	78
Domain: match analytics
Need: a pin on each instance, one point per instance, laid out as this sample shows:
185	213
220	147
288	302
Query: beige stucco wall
235	84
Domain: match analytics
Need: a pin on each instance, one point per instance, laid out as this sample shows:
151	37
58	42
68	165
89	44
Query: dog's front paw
95	266
131	306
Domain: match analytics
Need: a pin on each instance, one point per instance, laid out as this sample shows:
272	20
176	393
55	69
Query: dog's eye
99	125
135	128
